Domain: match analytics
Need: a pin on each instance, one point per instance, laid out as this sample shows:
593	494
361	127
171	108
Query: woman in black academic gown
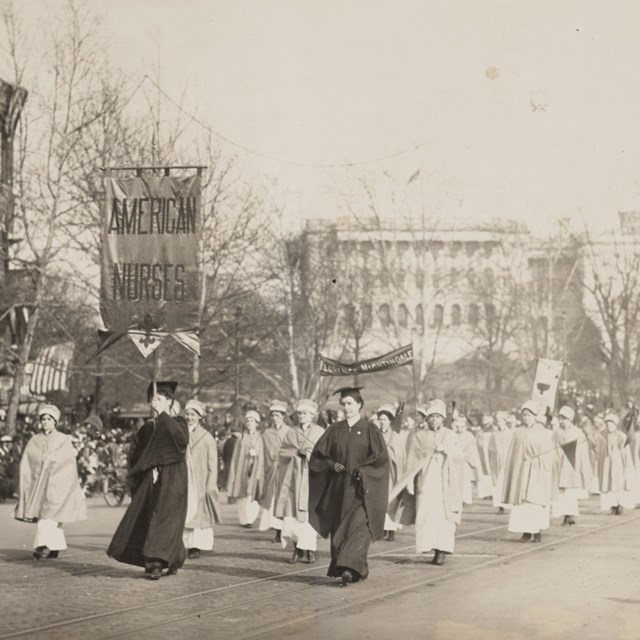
150	533
349	488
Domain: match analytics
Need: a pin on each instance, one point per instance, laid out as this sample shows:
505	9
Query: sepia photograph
319	320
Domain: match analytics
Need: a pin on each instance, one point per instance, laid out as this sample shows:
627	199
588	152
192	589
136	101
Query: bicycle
114	486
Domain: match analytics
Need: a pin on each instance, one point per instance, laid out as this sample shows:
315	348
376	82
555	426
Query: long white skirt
198	539
247	510
497	492
302	533
528	518
391	525
566	503
467	492
611	499
49	534
268	520
485	487
433	530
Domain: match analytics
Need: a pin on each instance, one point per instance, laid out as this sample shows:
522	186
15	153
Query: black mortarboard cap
167	387
344	391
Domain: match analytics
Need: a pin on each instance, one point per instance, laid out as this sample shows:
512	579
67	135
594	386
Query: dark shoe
311	557
171	571
347	577
38	552
194	553
391	537
438	558
52	555
297	555
571	520
537	537
525	537
247	526
500	510
614	511
154	574
565	521
278	537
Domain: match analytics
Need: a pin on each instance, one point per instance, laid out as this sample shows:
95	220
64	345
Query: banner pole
154	373
415	381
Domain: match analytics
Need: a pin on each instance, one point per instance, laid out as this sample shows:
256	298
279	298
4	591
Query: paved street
581	582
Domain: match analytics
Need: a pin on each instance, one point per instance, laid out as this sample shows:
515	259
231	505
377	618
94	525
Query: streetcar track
297	589
390	572
246	583
428	581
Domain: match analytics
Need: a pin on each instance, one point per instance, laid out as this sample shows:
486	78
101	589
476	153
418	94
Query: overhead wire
266	156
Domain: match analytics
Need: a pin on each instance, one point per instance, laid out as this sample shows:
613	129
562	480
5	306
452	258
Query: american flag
18	317
51	368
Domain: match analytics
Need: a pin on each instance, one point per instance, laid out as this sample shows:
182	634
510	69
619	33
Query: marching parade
353	480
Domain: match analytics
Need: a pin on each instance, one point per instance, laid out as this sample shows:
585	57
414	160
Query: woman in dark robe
349	488
150	533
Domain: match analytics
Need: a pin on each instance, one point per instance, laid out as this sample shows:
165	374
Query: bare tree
68	95
611	282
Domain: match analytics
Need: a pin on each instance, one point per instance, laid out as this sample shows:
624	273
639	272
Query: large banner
150	278
397	358
545	383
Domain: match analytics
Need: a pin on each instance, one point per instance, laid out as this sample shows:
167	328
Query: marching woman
472	466
433	496
528	476
202	461
486	488
349	488
272	438
150	533
292	492
497	450
246	471
573	476
49	493
615	469
386	415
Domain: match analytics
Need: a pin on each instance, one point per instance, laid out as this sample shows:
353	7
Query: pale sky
523	110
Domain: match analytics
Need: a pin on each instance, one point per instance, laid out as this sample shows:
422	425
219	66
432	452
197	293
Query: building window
456	315
473	315
384	313
403	316
420	319
438	315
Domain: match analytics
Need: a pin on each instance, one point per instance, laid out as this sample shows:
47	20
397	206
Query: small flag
51	368
569	449
545	383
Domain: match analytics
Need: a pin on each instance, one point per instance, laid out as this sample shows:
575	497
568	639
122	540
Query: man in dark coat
349	488
150	533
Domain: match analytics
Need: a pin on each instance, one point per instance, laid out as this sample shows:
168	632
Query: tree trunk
23	356
291	355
